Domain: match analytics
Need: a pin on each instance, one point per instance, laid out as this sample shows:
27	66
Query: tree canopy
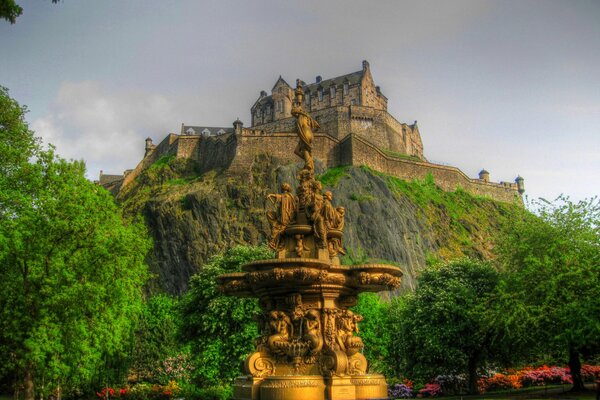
71	270
220	329
440	329
552	283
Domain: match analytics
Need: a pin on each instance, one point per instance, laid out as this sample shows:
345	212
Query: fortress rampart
235	154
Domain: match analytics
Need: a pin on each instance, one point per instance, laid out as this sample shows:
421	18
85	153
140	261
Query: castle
355	129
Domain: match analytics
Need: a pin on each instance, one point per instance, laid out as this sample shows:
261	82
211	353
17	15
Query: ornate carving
294	383
330	329
280	328
357	364
312	331
285	214
259	365
347	325
300	246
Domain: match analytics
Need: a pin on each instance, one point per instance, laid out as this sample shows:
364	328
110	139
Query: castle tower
149	146
484	175
520	184
238	126
282	94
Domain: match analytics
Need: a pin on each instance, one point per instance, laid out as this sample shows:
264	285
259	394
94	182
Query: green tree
375	331
71	271
440	328
10	10
155	336
552	284
220	329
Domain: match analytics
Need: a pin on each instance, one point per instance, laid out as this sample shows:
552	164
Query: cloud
107	130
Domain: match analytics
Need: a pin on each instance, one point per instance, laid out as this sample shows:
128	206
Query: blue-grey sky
509	86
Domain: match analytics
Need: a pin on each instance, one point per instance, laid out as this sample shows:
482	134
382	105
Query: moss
401	155
464	224
333	176
362	197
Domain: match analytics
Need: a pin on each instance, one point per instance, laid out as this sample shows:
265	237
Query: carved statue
347	326
312	331
300	246
285	214
280	328
335	242
306	125
303	189
315	215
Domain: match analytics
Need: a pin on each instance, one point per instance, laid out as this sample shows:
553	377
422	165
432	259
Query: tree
220	329
375	331
552	285
440	328
71	271
155	336
10	10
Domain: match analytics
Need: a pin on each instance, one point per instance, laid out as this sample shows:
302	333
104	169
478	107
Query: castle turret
520	184
237	126
484	175
149	146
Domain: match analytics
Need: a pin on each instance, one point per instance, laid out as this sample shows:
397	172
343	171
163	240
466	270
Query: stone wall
166	147
447	178
373	125
281	147
236	153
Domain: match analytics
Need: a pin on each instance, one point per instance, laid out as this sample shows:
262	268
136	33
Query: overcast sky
509	86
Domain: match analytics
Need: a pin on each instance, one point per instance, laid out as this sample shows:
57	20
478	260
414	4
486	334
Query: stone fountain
309	347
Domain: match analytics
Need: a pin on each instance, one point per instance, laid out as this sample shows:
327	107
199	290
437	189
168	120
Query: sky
509	86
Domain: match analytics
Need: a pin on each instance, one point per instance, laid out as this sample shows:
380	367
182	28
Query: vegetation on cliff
193	216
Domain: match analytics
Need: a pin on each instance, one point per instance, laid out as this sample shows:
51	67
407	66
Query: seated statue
347	325
280	328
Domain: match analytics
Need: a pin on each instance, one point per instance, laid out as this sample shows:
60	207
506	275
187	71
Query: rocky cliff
192	216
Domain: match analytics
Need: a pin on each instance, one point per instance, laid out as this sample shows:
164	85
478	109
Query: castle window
268	110
332	93
206	132
280	106
345	88
307	99
320	94
220	132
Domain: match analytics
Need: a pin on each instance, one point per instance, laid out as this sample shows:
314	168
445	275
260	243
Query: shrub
400	391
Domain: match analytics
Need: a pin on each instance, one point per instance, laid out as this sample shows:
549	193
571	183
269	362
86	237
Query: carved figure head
285	187
341	211
328	195
311	320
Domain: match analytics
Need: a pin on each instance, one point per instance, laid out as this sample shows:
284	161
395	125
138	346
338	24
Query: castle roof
352	78
205	130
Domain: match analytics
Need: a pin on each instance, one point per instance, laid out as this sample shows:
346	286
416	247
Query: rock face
193	217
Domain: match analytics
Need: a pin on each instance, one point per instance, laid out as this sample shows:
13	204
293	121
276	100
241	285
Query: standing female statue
306	126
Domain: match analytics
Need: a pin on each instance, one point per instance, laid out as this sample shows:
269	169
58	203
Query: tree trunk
575	367
473	361
28	384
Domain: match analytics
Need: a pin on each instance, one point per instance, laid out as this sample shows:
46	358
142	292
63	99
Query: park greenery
79	320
